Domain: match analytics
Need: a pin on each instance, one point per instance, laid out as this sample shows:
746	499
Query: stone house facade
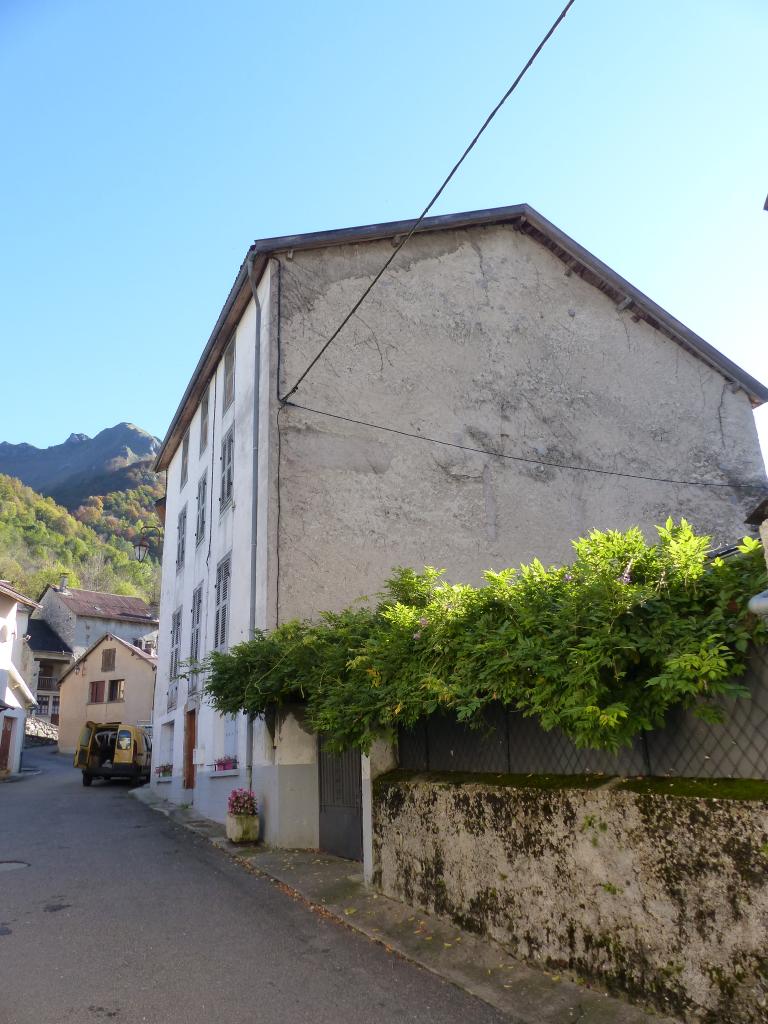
500	392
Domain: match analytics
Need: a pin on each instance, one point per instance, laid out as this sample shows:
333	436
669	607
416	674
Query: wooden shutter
202	489
222	603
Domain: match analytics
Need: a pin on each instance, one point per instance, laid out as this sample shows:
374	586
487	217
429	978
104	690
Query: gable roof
110	638
523	217
93	604
8	591
42	637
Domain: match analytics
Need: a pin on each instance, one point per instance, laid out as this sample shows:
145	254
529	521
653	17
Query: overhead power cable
522	458
432	201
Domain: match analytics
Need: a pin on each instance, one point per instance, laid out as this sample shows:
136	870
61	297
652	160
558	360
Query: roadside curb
334	888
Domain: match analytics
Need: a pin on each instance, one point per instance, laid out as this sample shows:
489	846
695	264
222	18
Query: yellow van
114	750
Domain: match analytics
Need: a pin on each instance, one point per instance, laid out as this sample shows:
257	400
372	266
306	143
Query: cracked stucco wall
662	898
479	337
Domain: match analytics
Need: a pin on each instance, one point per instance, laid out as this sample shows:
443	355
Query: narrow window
204	422
108	659
43	700
96	695
55	704
227	468
197	617
175	644
202	497
117	689
221	622
181	538
184	459
229	375
230	735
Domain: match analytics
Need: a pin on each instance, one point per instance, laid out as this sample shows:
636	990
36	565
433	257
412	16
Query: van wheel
87	779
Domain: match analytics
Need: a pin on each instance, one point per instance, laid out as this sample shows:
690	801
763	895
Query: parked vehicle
114	750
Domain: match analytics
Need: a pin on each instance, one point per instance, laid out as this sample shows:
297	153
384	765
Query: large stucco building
500	392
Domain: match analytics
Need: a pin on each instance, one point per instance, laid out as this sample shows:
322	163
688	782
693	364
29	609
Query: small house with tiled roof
113	681
80	617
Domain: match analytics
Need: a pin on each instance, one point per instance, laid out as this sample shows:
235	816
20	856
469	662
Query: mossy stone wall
662	898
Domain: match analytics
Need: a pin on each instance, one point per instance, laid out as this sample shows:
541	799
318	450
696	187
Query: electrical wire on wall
522	458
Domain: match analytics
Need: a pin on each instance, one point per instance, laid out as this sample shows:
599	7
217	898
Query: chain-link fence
685	747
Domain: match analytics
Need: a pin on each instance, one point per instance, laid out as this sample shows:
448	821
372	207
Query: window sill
164	778
227	773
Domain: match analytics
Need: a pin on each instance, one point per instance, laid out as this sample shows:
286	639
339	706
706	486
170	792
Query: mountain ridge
118	458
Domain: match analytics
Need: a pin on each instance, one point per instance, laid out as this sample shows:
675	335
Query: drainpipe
254	494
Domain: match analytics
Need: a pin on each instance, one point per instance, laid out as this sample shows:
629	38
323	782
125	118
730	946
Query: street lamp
141	544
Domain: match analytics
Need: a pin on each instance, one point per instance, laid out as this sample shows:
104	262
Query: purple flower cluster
242	801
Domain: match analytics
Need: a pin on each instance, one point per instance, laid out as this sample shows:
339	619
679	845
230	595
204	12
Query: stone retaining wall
664	898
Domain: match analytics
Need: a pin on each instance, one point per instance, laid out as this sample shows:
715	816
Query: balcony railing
173	695
47	683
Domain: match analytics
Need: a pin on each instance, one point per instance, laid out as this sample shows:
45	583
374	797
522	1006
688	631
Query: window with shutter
204	422
96	695
221	619
175	644
184	459
197	617
202	497
227	468
181	538
108	659
229	375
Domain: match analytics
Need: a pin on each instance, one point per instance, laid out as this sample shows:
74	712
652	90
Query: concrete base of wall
663	898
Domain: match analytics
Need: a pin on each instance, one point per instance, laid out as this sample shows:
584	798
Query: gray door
341	814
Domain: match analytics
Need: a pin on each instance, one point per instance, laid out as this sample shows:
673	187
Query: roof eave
578	258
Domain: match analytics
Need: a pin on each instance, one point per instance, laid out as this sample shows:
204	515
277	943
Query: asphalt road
121	915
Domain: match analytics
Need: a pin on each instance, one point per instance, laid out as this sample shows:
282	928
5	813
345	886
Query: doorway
5	743
190	742
341	802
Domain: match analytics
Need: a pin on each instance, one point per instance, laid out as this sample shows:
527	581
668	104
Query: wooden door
5	743
190	742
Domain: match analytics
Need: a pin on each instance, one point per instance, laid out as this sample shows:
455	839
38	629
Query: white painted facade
14	690
237	530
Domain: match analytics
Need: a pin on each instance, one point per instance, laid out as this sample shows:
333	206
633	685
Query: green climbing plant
601	648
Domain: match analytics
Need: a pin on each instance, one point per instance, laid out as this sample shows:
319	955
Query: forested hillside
39	540
125	513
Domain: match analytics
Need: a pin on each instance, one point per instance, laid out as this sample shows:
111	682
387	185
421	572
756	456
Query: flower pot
242	828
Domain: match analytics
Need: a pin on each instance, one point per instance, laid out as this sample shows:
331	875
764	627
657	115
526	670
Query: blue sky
147	144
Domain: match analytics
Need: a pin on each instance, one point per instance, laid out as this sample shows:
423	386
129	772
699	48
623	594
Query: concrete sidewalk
334	888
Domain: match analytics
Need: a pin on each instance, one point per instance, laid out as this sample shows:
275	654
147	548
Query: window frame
204	409
184	460
120	691
202	502
96	686
223	588
175	650
228	391
227	478
197	620
107	662
181	538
